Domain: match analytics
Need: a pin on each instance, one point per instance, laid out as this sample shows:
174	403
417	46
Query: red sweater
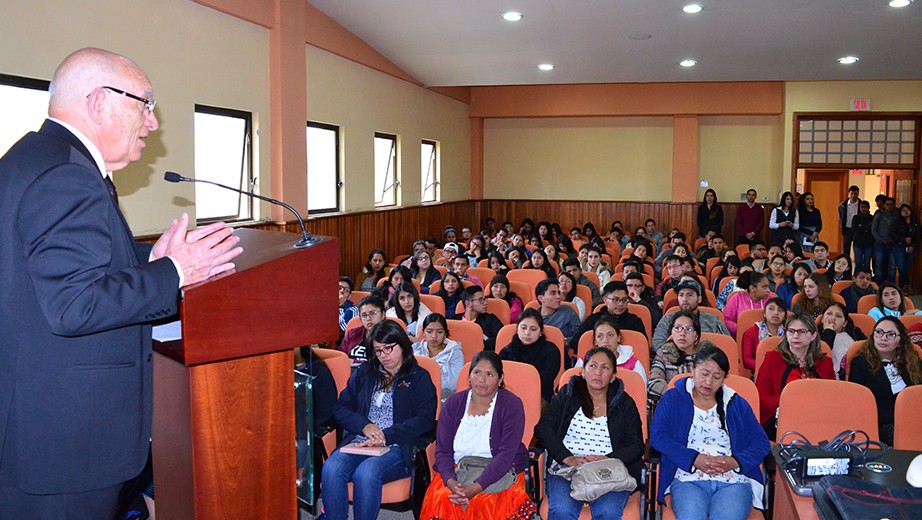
750	220
770	384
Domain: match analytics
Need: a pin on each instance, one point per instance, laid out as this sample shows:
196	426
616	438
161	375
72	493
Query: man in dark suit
76	294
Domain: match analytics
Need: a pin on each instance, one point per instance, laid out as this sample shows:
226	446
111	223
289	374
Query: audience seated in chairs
424	271
500	288
794	283
890	302
689	298
397	276
446	352
860	286
772	325
595	264
529	345
702	425
572	266
567	285
553	312
591	418
887	364
450	292
815	296
480	459
374	270
675	357
754	295
389	401
798	356
347	309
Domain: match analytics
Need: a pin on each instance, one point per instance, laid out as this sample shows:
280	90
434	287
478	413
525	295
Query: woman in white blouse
590	419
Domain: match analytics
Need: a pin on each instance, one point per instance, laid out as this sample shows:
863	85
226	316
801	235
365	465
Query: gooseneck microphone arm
306	238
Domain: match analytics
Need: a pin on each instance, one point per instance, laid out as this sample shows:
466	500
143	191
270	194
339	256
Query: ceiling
467	42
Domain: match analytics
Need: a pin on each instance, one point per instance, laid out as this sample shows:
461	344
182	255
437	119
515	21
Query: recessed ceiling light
546	66
512	16
692	8
848	60
688	63
640	36
900	3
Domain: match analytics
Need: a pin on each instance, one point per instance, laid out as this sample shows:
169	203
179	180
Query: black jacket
879	384
542	354
624	426
900	231
861	225
706	222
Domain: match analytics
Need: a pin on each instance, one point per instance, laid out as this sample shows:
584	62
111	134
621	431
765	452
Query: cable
847	442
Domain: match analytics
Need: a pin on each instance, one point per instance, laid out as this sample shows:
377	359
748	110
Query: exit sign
860	104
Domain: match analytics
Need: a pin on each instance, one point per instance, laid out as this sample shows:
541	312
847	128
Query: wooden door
829	188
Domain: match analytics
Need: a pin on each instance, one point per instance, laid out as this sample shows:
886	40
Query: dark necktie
112	190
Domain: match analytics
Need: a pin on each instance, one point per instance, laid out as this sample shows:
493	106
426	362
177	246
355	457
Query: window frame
339	182
395	158
434	163
248	160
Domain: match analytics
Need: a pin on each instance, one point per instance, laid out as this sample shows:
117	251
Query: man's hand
201	253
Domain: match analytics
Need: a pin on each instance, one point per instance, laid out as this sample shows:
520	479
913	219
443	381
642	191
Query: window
322	168
23	105
430	171
223	154
386	181
876	140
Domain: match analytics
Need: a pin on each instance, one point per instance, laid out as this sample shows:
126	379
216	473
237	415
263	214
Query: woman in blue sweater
711	442
389	401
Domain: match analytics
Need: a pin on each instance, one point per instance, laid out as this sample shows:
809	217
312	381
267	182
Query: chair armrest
651	455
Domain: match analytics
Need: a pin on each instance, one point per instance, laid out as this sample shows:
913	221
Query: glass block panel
893	158
819	147
835	125
864	147
864	124
882	141
849	124
909	125
806	125
820	125
908	136
834	136
906	159
864	136
834	147
834	158
877	158
863	158
849	158
849	136
806	148
893	147
806	136
819	136
893	125
879	125
819	157
906	148
848	147
877	147
878	136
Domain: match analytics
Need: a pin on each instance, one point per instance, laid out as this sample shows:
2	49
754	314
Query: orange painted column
476	158
288	108
685	159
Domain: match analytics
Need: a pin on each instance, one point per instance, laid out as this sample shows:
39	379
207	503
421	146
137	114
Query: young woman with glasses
675	356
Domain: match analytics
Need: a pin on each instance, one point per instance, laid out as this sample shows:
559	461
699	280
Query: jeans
884	270
902	261
367	474
562	507
702	499
863	256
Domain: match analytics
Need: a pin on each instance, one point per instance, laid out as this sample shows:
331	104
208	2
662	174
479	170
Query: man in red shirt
750	218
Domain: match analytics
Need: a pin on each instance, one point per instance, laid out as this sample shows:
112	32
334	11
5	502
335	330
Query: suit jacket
75	294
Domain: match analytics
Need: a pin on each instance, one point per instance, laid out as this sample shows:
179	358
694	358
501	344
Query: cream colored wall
363	101
627	158
736	153
192	54
834	96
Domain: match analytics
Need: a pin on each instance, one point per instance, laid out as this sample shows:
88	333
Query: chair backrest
357	296
525	292
485	263
713	274
552	334
723	283
700	242
399	258
584	293
911	319
469	334
354	322
669	298
442	269
594	278
642	312
338	363
864	322
627	252
637	341
434	302
613	249
484	273
746	320
741	250
840	286
850	355
709	266
529	276
813	408
868	302
432	366
729	346
741	385
522	380
907	421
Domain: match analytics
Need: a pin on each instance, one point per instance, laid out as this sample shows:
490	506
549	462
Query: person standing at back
847	211
750	219
884	268
77	295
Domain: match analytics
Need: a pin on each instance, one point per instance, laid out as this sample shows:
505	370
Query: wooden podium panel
224	423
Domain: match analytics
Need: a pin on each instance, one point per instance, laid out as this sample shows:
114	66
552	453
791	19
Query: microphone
306	238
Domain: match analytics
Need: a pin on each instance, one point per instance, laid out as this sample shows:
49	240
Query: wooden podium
224	423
